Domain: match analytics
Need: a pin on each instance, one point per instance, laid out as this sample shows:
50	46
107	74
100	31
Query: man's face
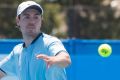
29	22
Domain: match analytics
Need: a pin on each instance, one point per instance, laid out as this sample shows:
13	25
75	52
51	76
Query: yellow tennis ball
104	50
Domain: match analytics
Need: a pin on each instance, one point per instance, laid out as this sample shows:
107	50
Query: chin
33	34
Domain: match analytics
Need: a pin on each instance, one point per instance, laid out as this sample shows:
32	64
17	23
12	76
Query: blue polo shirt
22	60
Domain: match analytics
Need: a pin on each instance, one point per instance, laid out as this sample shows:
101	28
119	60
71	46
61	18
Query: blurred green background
84	19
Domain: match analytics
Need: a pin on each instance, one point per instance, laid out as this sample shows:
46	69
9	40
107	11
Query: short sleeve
56	46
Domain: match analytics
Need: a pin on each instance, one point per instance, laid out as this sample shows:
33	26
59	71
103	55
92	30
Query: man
41	56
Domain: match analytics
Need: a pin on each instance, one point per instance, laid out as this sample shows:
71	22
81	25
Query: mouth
30	27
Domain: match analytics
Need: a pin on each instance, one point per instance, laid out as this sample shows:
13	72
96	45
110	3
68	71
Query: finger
48	65
42	56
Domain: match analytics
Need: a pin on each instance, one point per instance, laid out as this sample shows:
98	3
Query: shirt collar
40	34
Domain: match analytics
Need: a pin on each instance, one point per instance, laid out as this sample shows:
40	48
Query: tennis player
41	56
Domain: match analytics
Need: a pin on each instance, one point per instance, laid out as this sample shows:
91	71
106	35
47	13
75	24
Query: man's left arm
62	59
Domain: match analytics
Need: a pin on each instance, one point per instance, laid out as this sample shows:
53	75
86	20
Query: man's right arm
2	73
5	62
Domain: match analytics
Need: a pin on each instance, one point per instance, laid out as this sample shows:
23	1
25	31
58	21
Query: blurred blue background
90	23
86	62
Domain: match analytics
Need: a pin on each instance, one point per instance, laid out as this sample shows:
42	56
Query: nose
32	21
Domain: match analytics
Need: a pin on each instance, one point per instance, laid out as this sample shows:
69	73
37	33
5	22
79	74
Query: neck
28	39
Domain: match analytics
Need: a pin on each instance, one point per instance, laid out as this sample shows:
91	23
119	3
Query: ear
17	22
41	17
42	20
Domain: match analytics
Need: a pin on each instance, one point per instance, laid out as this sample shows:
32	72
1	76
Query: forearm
63	59
2	74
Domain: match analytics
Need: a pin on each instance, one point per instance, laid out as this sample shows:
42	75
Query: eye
26	17
36	17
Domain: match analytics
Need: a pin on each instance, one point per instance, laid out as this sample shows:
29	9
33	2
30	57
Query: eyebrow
28	14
